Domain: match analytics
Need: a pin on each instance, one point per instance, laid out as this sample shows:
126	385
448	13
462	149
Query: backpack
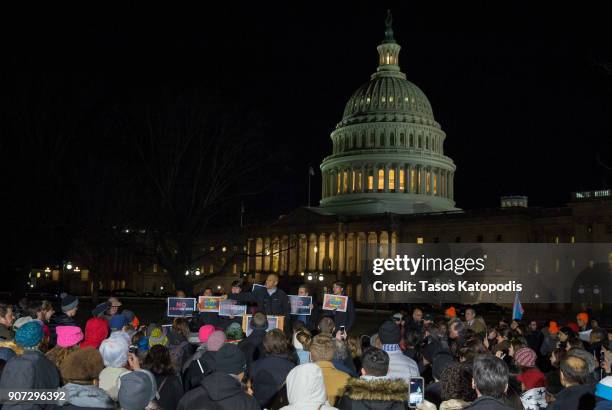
178	353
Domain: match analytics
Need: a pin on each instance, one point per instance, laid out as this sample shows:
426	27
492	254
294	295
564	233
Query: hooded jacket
374	394
252	346
306	389
85	397
268	376
198	369
31	370
218	391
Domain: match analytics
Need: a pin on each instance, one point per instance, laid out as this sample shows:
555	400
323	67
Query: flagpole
309	187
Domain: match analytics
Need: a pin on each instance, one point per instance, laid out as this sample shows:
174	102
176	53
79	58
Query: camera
133	349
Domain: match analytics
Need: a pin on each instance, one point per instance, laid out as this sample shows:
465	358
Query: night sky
526	110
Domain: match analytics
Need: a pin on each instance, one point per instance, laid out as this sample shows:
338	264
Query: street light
197	272
321	278
186	273
76	269
309	276
69	265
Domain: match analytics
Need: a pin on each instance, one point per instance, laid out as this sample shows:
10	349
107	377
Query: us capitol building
387	182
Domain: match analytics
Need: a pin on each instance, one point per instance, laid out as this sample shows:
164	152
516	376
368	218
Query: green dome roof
388	98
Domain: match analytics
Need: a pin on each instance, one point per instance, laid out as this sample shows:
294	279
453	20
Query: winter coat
268	375
252	346
109	380
85	397
31	370
477	325
305	389
218	391
346	319
488	403
58	319
534	399
453	404
579	397
374	394
198	369
335	381
169	389
276	304
401	366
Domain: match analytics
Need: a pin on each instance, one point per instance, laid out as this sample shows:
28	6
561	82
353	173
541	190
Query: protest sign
231	308
208	303
335	302
181	307
300	305
274	322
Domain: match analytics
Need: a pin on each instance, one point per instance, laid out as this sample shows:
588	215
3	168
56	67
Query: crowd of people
315	362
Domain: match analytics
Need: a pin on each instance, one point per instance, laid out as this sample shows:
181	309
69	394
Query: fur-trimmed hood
379	389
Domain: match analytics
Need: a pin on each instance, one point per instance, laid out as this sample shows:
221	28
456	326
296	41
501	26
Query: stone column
364	179
452	185
397	185
327	258
386	185
349	188
307	264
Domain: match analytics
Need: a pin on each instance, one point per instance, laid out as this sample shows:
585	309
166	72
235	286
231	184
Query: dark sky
527	108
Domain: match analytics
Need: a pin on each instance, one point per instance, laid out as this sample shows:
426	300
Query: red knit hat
532	378
96	330
525	357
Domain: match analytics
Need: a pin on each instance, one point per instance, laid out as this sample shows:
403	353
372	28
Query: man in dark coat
490	380
373	391
223	388
346	319
270	300
579	389
31	370
252	346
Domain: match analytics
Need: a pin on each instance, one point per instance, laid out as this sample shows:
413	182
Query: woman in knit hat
96	330
157	337
80	373
203	335
114	351
70	305
68	338
533	381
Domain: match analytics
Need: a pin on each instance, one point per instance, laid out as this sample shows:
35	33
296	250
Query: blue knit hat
117	322
604	388
29	335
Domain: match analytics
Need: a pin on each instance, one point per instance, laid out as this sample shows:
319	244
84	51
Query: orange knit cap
583	316
450	312
553	327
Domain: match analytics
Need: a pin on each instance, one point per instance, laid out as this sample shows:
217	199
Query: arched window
392	140
420	141
381	141
372	139
402	140
411	142
381	179
391	179
363	140
426	142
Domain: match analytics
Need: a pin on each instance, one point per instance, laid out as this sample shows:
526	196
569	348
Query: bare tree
197	159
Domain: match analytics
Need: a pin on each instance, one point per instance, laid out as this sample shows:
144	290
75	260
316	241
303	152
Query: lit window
427	182
344	181
401	180
370	182
381	179
573	239
353	183
359	181
420	240
406	99
419	182
338	183
556	239
55	275
390	98
368	100
435	185
412	180
382	98
155	268
391	179
85	275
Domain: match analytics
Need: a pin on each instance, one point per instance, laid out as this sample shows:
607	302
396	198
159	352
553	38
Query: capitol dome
388	150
